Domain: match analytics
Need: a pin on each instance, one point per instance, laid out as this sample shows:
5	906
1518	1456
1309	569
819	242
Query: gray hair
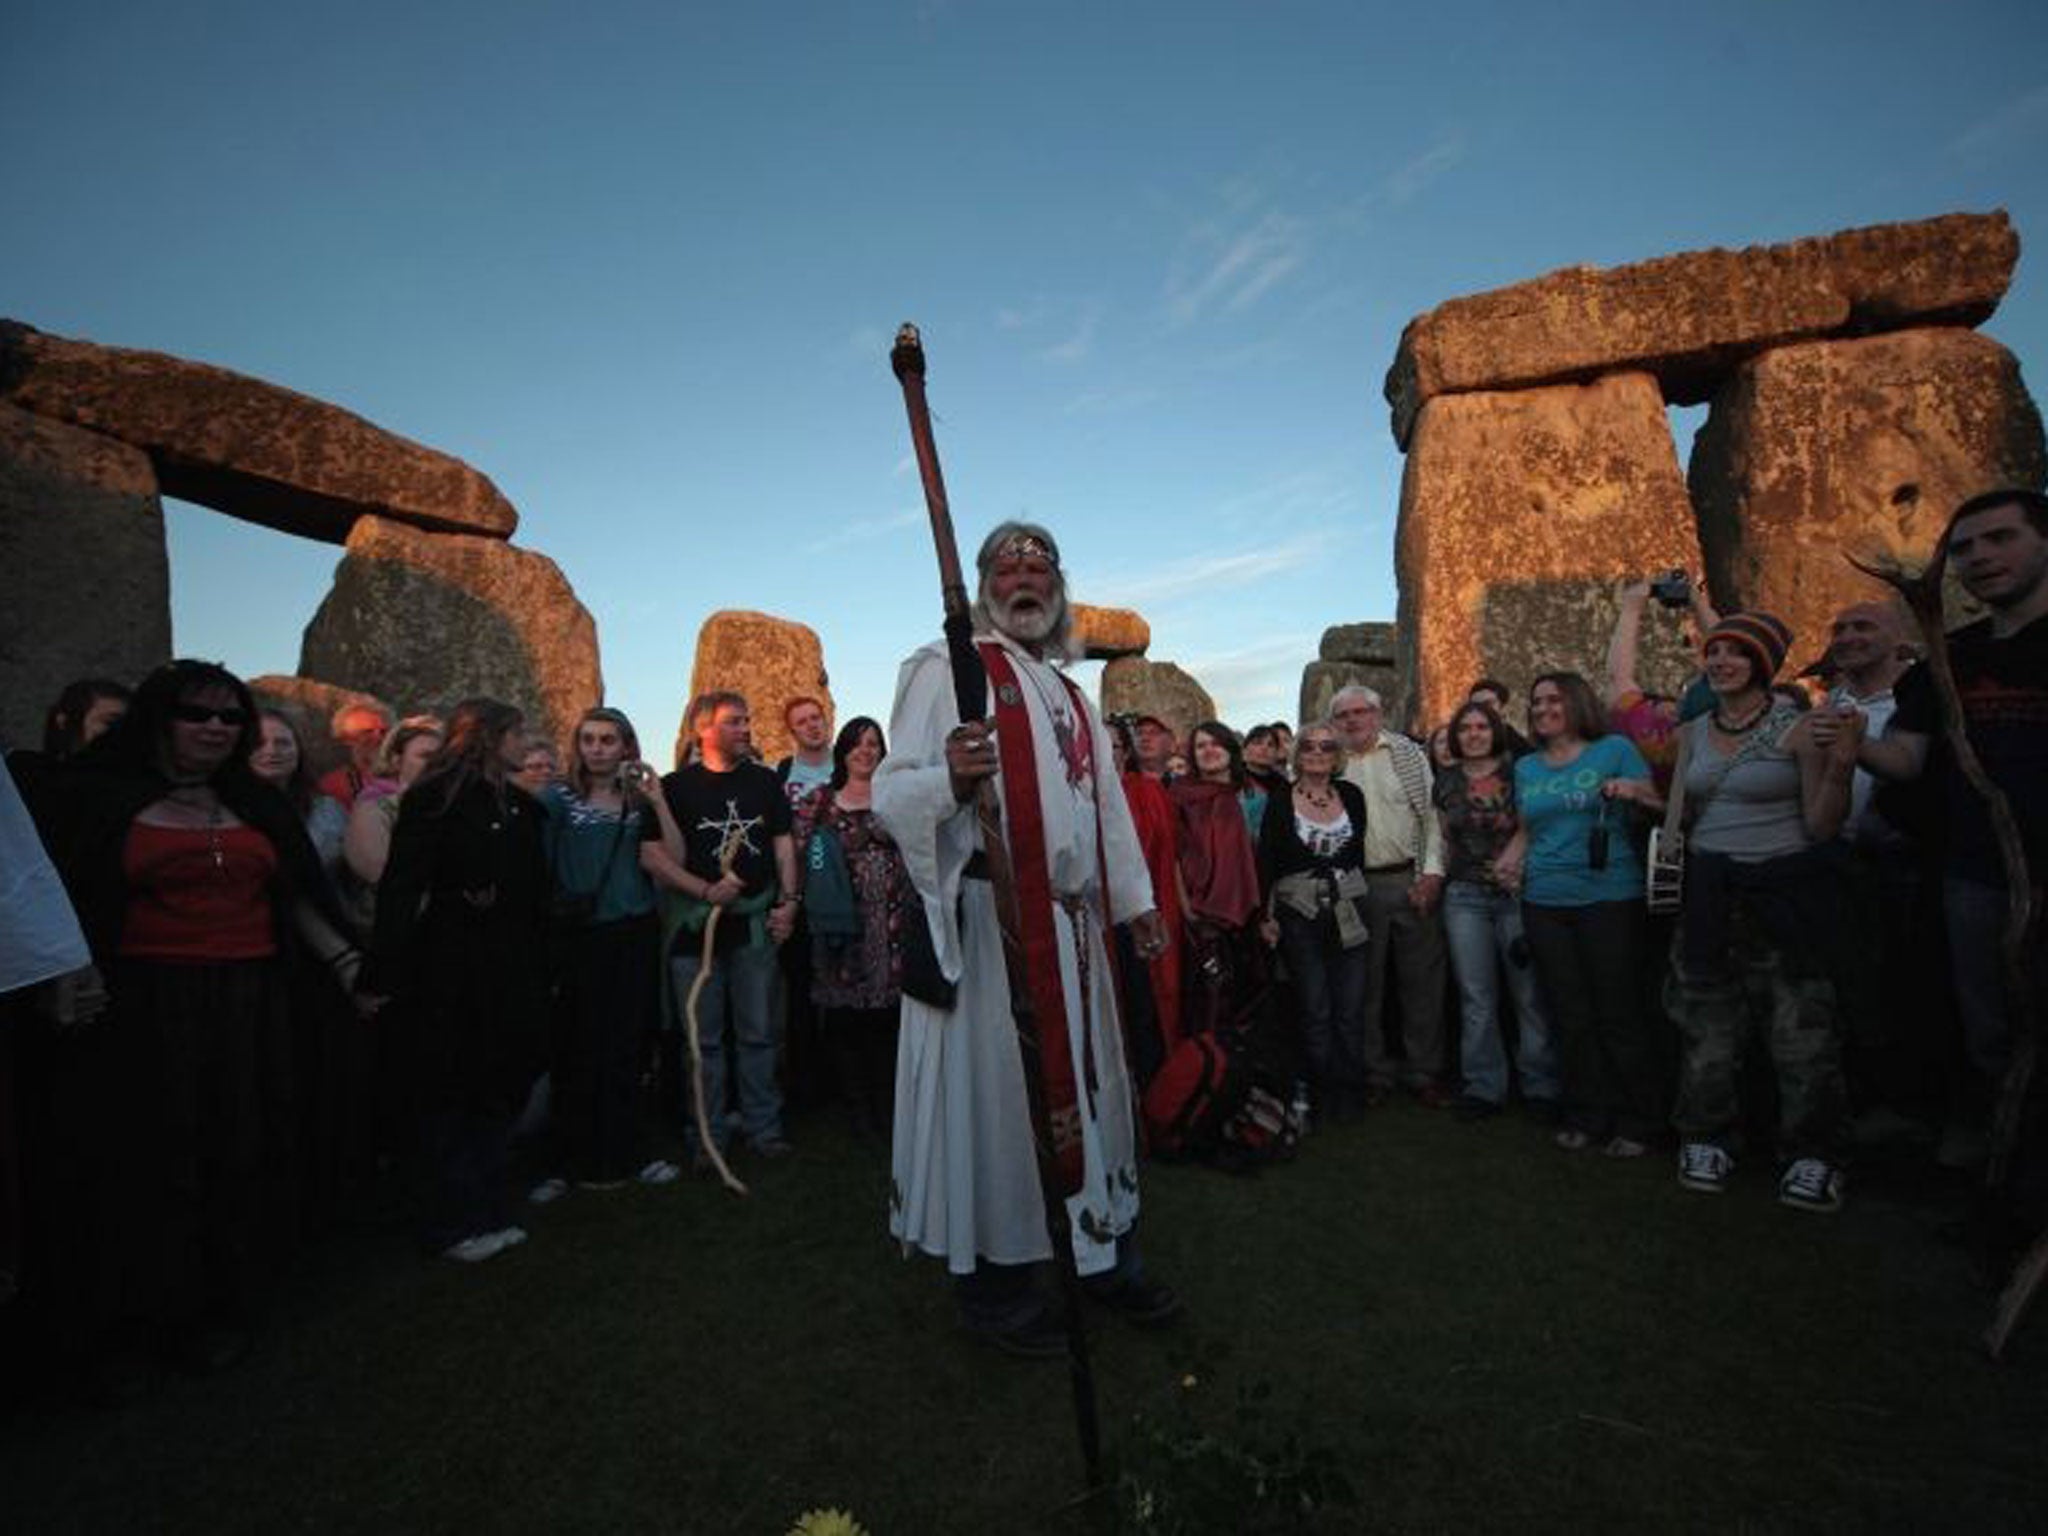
1059	639
1353	691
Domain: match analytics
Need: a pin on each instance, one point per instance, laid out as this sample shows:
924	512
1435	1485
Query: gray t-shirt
1746	803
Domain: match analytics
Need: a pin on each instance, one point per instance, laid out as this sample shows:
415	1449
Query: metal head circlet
1026	546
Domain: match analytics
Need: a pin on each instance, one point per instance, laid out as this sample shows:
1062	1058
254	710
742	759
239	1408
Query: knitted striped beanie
1763	635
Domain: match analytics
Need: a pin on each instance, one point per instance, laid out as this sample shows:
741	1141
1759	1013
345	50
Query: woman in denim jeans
1475	798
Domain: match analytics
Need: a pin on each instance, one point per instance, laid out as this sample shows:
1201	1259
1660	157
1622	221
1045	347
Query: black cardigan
1281	852
85	806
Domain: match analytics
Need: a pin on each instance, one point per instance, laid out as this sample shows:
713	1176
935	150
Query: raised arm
1630	593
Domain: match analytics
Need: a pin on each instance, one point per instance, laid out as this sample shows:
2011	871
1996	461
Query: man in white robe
965	1183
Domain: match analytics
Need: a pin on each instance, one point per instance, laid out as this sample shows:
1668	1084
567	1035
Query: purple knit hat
1764	635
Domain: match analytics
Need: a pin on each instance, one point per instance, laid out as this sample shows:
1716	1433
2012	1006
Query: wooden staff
1922	594
970	694
694	1032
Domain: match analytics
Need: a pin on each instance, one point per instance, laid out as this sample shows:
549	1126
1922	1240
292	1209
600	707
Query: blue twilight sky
640	263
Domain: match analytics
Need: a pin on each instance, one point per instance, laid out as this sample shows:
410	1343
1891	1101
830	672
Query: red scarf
1024	828
1216	858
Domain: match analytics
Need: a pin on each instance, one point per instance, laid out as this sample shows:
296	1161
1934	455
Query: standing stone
429	619
1834	446
1132	685
771	661
1320	681
1519	512
245	447
84	578
1106	633
1372	645
1689	318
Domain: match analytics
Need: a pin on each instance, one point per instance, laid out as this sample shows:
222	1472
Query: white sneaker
1704	1167
510	1237
547	1191
1811	1185
660	1171
474	1250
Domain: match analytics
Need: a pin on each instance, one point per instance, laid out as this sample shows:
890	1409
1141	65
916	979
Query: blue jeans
1483	925
740	994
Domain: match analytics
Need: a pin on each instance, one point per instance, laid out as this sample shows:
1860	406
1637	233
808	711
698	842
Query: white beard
1030	628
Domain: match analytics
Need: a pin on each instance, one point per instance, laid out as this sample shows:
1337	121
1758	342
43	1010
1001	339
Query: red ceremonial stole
1024	827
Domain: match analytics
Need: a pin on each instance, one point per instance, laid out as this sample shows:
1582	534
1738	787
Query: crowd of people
243	996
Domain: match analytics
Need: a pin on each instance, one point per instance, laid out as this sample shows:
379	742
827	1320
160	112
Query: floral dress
866	972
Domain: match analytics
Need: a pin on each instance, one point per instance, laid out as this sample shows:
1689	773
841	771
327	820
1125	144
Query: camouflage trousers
1718	1014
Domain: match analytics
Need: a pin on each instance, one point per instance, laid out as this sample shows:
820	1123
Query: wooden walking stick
1922	594
694	1032
970	694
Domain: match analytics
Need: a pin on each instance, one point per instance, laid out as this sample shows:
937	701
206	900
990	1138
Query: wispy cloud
1201	573
1074	320
1261	681
1410	177
861	532
904	465
1226	265
2014	124
1107	401
1079	341
1305	495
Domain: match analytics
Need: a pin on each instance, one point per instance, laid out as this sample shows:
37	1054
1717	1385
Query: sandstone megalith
770	660
1365	653
1131	685
1688	319
245	447
1834	446
428	619
1519	510
1372	645
84	579
1320	681
1106	633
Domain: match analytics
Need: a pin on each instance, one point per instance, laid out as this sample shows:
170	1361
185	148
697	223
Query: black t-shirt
747	800
2004	687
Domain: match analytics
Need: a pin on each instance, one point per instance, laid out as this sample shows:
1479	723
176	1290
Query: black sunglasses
1318	746
199	714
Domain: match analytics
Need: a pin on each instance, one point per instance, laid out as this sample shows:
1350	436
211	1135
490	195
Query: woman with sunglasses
194	880
1312	870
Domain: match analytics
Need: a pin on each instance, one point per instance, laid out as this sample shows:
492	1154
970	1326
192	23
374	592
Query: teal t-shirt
1560	807
589	852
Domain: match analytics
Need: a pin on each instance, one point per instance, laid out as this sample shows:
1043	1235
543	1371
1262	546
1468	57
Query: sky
640	263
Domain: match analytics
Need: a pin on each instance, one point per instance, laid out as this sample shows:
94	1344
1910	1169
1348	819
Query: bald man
1895	1003
1867	652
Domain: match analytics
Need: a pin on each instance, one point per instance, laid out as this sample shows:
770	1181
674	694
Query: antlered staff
970	694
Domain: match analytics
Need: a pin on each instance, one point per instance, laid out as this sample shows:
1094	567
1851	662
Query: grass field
1494	1335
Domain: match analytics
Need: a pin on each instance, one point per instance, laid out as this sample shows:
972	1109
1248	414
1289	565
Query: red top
198	894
